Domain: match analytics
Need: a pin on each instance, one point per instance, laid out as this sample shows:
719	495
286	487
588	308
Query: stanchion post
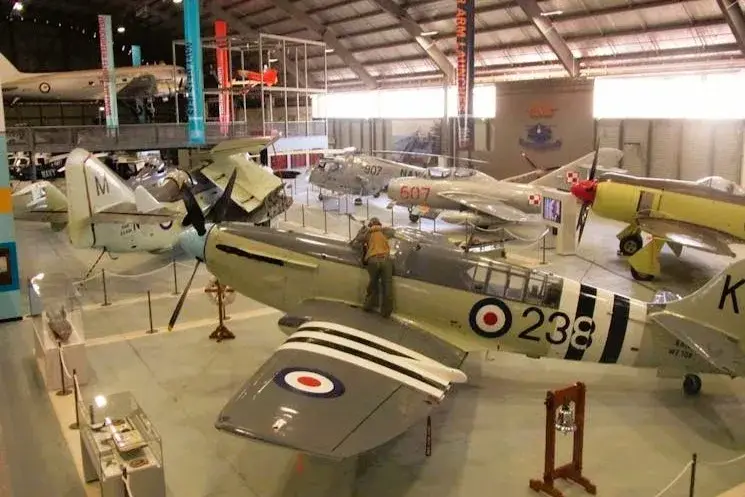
325	221
150	313
175	278
105	294
693	475
367	202
307	193
349	226
434	225
76	424
428	438
543	252
392	218
64	390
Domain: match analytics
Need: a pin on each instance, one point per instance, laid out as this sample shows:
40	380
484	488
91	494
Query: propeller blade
220	208
594	168
582	220
194	214
182	299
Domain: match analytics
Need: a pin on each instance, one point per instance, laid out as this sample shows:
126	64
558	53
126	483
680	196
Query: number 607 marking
581	329
414	193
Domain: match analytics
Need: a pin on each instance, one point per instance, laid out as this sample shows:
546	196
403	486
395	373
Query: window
536	288
464	172
516	285
438	173
479	275
689	96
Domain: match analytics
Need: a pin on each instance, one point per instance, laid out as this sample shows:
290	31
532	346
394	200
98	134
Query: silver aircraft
353	173
346	381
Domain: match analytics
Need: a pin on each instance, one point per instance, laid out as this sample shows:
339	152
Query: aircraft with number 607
346	380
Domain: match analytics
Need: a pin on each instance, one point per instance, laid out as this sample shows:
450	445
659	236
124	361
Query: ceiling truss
552	37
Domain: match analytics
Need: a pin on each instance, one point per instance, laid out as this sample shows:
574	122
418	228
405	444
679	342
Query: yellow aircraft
346	381
708	215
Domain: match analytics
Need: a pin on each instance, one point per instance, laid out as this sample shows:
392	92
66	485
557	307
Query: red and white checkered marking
534	199
572	177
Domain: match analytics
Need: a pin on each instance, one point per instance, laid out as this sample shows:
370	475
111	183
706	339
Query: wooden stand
221	332
573	470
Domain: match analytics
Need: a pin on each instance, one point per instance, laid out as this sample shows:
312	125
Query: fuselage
89	84
626	198
472	302
359	174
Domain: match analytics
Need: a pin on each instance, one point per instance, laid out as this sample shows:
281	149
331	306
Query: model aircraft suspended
250	79
345	381
705	215
467	196
142	82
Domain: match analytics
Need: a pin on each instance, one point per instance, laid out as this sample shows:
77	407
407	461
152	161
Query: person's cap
375	220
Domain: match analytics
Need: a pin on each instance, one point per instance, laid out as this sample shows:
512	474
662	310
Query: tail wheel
641	276
630	244
413	218
692	384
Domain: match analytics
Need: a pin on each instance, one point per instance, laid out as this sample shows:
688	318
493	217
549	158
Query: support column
223	75
136	56
109	77
464	46
194	74
10	294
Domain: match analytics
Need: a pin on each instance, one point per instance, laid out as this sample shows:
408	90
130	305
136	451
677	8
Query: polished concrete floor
641	430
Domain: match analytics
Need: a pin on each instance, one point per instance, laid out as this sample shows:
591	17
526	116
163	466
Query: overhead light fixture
329	50
101	108
120	29
18	7
177	1
552	13
273	60
429	33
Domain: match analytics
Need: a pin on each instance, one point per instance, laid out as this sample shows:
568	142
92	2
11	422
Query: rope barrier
675	480
64	364
113	274
724	463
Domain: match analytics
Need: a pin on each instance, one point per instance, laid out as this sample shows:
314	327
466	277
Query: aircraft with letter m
346	381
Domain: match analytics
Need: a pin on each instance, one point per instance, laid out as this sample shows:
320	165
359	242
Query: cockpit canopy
722	184
450	172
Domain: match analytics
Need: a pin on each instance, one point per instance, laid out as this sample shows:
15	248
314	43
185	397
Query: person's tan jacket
377	243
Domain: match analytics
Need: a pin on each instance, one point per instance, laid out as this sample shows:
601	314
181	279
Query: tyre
691	384
631	244
641	276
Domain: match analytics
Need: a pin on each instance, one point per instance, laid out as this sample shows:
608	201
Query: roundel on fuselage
167	225
490	318
45	87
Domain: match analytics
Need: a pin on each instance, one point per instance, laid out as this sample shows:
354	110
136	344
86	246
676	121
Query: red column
223	74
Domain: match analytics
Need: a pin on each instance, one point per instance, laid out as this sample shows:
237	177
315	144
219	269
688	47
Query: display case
57	318
116	436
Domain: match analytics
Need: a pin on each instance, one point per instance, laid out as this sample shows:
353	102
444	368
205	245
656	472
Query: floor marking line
189	325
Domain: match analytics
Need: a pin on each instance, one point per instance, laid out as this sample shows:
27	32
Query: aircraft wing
252	146
525	178
490	207
718	349
335	391
253	182
40	201
144	85
687	234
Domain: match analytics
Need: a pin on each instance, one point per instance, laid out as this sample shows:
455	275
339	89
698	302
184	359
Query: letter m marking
102	186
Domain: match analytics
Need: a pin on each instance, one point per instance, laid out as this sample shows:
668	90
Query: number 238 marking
414	192
580	330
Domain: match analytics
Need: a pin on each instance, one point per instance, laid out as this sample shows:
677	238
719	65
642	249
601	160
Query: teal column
136	56
109	77
10	293
194	74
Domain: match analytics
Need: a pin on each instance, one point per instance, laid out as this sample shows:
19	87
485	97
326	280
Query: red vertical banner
223	74
464	46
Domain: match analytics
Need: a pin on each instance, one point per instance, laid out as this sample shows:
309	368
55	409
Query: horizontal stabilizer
336	392
144	201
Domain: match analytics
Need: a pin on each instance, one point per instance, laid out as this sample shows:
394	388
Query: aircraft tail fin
8	71
709	320
564	177
92	188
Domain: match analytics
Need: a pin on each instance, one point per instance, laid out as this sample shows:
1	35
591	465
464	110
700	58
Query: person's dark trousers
380	286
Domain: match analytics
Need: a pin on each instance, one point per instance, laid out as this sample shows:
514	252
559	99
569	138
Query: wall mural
539	135
419	136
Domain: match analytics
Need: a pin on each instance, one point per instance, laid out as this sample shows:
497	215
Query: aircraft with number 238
346	380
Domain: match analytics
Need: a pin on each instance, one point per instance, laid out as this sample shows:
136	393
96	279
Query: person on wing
373	240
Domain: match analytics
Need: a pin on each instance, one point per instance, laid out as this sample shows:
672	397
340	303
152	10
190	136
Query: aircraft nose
394	188
585	191
193	243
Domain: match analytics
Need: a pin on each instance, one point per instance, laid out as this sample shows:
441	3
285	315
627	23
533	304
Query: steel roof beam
736	20
415	30
328	36
552	37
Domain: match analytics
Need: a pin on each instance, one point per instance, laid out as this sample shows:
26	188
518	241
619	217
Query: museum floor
641	430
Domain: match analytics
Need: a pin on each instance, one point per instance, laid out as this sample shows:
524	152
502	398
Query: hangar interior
554	80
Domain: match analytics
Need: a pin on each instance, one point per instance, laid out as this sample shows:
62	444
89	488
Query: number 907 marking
580	330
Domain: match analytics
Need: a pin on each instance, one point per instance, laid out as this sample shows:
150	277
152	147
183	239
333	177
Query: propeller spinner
585	191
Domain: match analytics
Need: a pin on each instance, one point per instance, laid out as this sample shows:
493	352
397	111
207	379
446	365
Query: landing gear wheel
691	384
629	245
320	197
641	276
358	201
376	194
413	218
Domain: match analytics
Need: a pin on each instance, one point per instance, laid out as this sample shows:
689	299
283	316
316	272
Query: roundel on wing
490	318
310	382
45	87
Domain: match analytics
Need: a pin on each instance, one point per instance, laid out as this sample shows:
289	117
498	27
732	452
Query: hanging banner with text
106	45
194	74
223	74
136	56
464	49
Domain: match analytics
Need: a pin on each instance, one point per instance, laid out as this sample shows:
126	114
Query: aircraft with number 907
346	381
